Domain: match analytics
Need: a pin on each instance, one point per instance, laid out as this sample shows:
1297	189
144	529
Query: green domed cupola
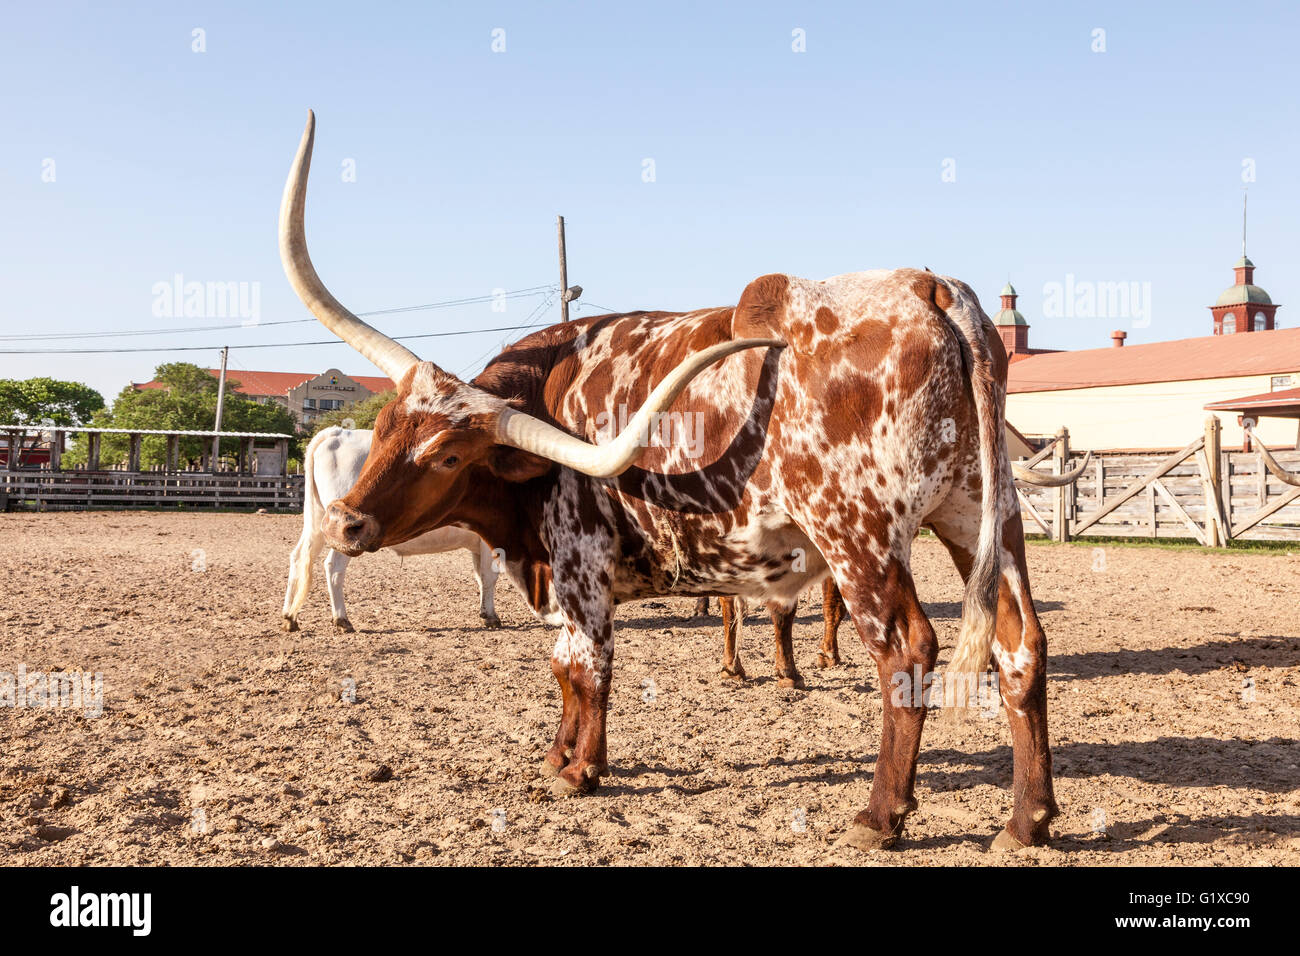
1012	326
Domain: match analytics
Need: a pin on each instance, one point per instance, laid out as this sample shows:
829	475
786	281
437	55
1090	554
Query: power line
263	345
444	304
529	322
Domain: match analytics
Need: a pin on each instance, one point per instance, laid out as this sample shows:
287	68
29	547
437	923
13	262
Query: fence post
1215	532
1064	494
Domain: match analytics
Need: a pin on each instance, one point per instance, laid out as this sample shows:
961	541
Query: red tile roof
278	383
1211	356
1284	400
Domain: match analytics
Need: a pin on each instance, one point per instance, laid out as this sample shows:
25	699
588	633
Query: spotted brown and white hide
807	431
882	415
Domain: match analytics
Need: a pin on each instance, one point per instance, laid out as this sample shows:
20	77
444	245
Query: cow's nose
350	531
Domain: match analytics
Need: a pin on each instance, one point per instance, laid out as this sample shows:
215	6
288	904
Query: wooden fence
1200	492
33	490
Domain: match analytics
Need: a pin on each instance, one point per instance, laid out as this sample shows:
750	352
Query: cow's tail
308	547
980	603
310	493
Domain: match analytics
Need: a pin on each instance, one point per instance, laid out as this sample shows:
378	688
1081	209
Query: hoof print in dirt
52	834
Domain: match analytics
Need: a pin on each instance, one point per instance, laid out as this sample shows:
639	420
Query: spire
1244	197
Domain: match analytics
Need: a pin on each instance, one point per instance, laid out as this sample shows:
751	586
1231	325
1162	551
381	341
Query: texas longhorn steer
331	465
835	418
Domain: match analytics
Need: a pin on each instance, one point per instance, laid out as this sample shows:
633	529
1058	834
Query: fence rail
1200	492
77	490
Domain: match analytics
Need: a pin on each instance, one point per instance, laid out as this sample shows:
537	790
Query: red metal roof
279	383
1285	402
1210	356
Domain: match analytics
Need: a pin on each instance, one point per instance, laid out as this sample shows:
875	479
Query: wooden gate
1199	491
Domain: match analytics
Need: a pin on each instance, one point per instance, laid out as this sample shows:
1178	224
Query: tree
47	401
187	401
41	402
360	414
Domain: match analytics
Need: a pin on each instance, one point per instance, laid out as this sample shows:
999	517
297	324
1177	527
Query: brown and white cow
835	418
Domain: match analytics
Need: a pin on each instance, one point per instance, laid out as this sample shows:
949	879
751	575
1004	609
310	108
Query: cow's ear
511	464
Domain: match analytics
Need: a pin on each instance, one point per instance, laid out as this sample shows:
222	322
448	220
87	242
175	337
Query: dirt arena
1174	704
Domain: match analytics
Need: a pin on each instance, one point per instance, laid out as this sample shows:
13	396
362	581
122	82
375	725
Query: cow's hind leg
889	617
832	615
733	613
301	559
1020	653
336	566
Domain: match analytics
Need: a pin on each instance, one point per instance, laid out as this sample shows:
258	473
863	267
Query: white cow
331	466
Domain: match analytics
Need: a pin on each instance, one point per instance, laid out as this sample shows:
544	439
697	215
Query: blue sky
1115	166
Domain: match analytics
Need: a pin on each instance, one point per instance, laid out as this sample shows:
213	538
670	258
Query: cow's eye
451	461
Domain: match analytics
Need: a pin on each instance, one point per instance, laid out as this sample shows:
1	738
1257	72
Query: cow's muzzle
349	531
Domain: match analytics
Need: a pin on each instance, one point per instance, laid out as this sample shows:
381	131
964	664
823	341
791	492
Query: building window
1279	382
309	403
1229	324
1260	322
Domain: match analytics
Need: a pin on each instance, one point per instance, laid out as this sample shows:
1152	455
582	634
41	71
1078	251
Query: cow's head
440	436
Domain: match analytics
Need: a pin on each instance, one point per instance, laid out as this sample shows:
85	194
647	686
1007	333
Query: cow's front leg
589	661
562	749
732	669
783	613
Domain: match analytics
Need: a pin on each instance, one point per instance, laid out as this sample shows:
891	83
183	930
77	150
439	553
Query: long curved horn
388	356
1050	481
1278	472
530	434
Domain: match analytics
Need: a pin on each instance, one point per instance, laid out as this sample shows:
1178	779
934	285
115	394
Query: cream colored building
1154	396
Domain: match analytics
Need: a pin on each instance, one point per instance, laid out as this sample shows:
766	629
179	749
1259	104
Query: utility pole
567	293
564	273
221	401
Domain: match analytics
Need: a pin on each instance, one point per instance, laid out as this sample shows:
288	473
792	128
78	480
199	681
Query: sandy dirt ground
1174	704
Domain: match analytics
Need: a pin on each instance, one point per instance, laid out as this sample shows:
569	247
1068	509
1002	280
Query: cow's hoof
825	660
862	837
1004	842
549	769
492	623
344	625
290	624
791	683
736	674
562	787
